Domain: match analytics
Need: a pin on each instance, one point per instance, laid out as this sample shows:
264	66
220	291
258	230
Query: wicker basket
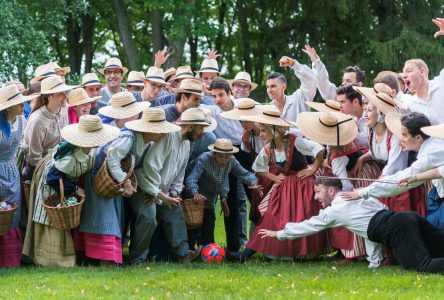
63	217
104	184
193	212
6	217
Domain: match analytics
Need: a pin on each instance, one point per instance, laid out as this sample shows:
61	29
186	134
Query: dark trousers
204	234
415	243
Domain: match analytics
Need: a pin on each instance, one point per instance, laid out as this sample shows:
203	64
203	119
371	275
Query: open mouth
407	83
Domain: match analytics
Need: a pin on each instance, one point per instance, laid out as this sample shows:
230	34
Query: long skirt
292	201
103	247
10	248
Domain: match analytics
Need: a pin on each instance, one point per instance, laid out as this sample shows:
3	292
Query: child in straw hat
206	183
12	125
45	245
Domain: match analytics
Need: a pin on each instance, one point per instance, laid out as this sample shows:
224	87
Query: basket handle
62	192
131	169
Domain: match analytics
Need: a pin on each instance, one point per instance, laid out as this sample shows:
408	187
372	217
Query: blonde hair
419	63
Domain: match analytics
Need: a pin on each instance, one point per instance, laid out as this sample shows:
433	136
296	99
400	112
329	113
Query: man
350	103
209	70
91	84
114	73
415	243
351	75
154	83
160	180
291	106
135	81
241	85
188	95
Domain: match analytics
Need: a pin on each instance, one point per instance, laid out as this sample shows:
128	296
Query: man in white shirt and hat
241	85
92	85
134	82
154	83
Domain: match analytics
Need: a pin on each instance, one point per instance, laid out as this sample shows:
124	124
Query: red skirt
11	248
103	247
292	201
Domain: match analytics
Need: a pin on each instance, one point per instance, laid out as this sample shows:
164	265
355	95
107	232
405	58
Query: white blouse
395	161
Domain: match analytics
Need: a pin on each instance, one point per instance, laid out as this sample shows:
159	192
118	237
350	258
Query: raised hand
311	52
160	58
212	54
440	23
286	61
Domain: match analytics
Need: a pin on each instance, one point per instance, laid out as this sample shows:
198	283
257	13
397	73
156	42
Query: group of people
359	173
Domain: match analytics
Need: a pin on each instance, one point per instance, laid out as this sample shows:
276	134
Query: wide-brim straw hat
90	79
135	78
242	77
10	96
89	132
223	146
327	106
434	130
113	63
123	105
184	72
55	84
79	96
156	75
209	65
269	117
333	129
56	67
42	72
379	97
190	86
393	122
210	120
169	72
153	121
244	107
193	116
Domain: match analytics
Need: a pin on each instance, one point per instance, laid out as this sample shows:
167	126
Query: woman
12	125
79	104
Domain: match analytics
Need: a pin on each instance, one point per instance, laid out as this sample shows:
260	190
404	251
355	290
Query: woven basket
6	217
104	184
63	217
193	212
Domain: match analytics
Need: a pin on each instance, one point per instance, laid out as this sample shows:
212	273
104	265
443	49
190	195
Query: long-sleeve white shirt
395	159
430	155
226	128
325	87
354	215
362	138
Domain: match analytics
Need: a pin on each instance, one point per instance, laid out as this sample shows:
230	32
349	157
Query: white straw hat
10	96
270	117
55	84
168	73
380	97
56	68
90	79
78	96
190	86
113	63
244	107
242	77
223	146
209	65
434	130
327	106
184	72
193	116
156	75
89	132
42	72
334	129
153	120
210	120
123	105
135	78
393	122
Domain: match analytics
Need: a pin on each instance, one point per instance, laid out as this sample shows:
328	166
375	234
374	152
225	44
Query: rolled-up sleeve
117	151
261	162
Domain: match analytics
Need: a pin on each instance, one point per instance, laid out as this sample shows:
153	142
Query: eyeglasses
155	86
245	87
115	72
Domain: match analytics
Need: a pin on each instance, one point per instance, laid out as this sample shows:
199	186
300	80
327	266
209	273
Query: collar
49	114
80	156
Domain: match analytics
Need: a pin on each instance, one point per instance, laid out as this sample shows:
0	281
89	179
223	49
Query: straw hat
90	79
190	86
123	105
380	97
184	72
42	72
168	73
89	132
153	120
393	122
193	116
156	75
78	96
434	130
135	78
270	117
210	120
209	65
55	84
327	106
223	146
56	68
114	63
242	77
334	129
10	96
244	107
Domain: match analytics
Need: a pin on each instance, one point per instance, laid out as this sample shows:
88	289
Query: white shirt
430	155
226	128
325	87
433	106
354	215
362	137
395	160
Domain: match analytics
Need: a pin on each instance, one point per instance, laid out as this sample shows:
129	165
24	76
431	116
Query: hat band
191	121
241	79
91	81
223	150
271	115
247	108
47	74
185	73
157	121
95	129
134	81
128	104
332	107
337	127
111	66
193	90
391	104
209	68
59	84
13	96
155	77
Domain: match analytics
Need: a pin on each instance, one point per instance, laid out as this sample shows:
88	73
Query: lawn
256	279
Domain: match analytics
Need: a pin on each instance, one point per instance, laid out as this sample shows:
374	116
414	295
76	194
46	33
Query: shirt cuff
296	66
364	194
281	235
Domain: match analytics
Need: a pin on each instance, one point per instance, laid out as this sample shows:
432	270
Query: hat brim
234	149
84	101
152	127
184	76
181	91
93	83
310	125
252	84
321	107
124	70
65	70
178	122
74	135
434	130
124	112
135	84
393	122
39	78
264	119
158	81
60	89
19	99
371	96
239	114
209	71
212	126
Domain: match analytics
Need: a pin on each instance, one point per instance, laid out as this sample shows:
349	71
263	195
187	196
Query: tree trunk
157	27
125	33
88	34
192	41
75	51
220	33
243	23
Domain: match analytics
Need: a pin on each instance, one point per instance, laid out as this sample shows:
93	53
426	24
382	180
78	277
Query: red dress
291	201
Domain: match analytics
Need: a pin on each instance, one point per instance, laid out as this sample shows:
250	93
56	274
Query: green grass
256	279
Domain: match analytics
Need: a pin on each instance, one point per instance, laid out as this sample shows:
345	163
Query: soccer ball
213	253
